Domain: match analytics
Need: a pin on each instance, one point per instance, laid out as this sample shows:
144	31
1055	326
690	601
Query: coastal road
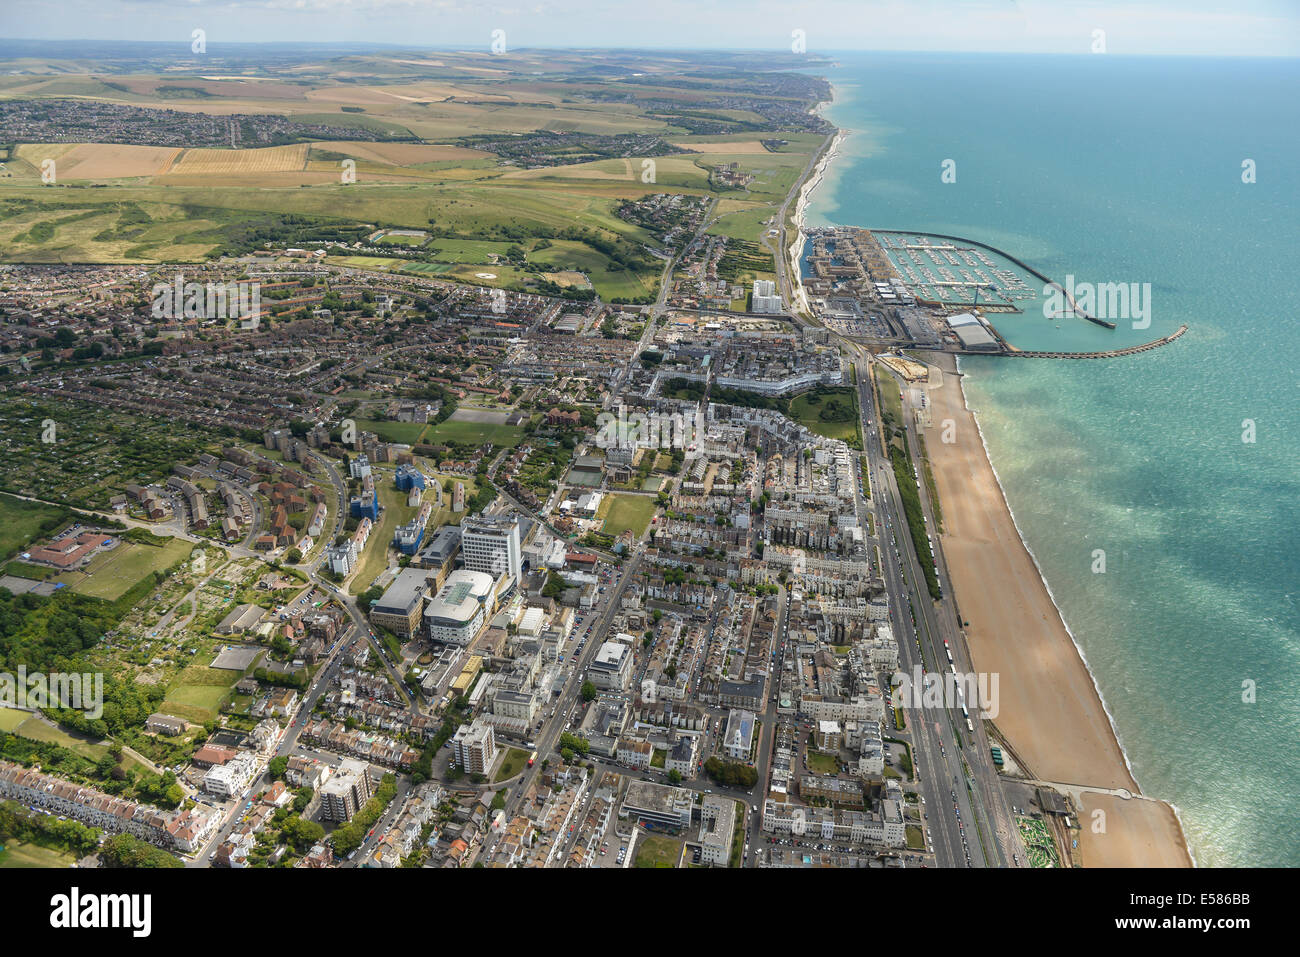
984	781
934	750
784	284
975	818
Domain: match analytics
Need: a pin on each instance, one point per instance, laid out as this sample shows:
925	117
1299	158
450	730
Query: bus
970	727
533	757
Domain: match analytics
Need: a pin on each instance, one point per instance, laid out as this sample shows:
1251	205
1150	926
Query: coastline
1052	712
795	249
1055	716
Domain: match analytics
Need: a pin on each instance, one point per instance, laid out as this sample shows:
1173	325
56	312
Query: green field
11	718
37	729
396	512
21	854
658	851
891	402
111	574
829	412
622	512
405	432
820	763
197	692
466	250
22	522
475	433
512	763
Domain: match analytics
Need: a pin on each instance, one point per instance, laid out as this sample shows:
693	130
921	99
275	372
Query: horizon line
813	58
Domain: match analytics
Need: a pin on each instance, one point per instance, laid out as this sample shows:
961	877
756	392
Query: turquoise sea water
1119	169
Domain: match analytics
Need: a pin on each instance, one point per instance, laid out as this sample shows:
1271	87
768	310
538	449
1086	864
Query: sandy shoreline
1051	712
795	249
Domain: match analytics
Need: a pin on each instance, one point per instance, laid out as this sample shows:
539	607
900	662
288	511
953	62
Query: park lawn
205	698
466	251
807	409
444	515
426	268
750	224
11	718
820	763
658	851
475	433
18	853
36	729
915	837
20	522
624	284
515	760
111	574
485	274
622	512
375	557
407	433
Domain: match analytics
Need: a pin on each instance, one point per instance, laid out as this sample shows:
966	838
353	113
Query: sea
1178	468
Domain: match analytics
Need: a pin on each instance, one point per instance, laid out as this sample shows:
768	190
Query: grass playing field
112	573
622	512
474	433
407	432
21	522
197	692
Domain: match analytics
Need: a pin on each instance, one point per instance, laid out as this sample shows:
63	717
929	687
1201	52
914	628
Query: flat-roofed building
717	830
492	545
738	739
611	667
460	609
401	606
829	736
347	790
475	747
657	804
438	553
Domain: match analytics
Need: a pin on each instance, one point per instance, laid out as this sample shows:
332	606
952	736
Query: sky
1140	27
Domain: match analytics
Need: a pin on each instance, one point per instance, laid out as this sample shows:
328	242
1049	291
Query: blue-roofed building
365	505
409	477
408	538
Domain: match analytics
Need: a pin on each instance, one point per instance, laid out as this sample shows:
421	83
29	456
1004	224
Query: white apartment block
475	747
491	545
229	779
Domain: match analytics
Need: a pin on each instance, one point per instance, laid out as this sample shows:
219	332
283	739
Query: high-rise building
345	792
491	544
765	299
475	747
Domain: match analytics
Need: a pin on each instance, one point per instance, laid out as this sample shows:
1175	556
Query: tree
588	691
277	766
124	850
674	776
